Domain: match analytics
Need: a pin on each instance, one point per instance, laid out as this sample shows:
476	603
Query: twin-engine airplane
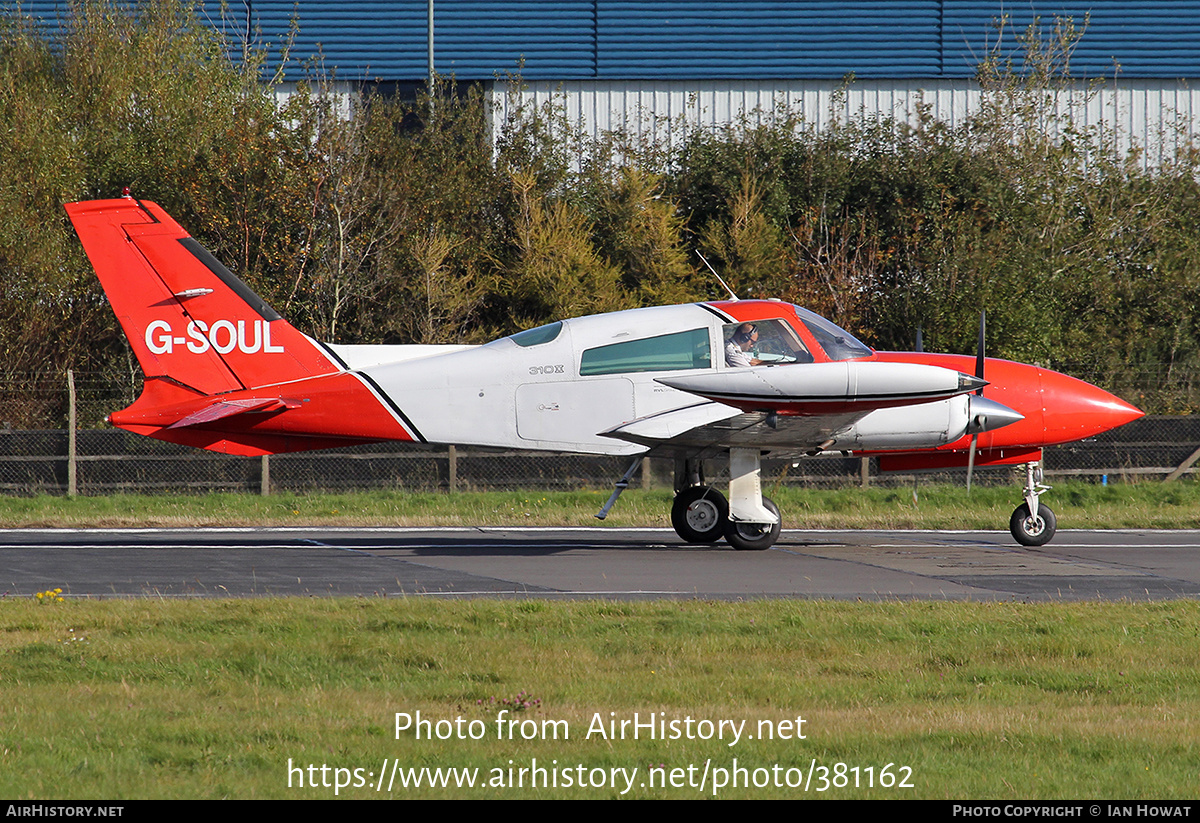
741	377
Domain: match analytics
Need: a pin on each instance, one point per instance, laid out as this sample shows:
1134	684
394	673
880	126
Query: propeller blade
978	373
979	349
971	461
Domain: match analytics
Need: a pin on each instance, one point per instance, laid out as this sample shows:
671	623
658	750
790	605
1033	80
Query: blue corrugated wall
1159	39
760	39
628	39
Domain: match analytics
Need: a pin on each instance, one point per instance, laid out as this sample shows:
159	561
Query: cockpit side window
765	342
838	343
667	352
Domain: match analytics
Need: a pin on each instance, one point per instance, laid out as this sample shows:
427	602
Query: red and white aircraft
741	378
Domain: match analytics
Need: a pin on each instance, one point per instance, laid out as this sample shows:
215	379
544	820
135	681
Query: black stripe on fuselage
386	398
725	318
332	355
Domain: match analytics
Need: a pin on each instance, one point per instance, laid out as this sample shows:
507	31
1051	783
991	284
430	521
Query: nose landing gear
1033	523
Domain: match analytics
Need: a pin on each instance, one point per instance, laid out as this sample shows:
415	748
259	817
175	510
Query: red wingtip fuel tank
1057	408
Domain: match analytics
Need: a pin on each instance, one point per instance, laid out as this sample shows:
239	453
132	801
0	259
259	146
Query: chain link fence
112	460
109	460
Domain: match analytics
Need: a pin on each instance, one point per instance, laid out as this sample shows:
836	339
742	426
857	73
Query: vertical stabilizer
187	317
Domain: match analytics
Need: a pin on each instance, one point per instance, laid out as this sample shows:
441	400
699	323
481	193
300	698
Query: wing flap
714	427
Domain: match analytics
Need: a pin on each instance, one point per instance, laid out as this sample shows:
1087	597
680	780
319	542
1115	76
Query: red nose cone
1075	409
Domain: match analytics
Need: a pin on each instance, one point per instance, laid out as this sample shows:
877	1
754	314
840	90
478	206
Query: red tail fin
198	331
188	317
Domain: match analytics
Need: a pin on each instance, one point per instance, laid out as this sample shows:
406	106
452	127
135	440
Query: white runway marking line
1048	547
488	530
312	543
552	593
1122	546
339	529
351	549
317	544
149	546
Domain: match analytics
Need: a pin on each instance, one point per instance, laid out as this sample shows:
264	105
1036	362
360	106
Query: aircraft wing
713	427
817	389
797	409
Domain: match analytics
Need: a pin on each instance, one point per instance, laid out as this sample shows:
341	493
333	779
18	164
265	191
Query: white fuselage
562	392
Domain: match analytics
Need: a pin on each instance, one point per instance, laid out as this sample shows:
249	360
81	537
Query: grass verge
1078	505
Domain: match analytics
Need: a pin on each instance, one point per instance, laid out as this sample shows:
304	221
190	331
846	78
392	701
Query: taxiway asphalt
596	562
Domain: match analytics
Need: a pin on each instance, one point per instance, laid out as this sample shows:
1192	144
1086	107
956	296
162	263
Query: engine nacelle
930	424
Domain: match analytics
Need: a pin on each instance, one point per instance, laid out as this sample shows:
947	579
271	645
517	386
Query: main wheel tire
699	514
1033	531
754	537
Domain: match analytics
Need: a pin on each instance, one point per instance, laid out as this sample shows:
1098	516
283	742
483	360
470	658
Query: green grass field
208	699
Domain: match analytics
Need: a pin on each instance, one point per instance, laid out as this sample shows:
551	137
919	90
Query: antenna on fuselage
714	271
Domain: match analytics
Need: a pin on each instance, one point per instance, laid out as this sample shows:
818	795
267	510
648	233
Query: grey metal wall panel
1149	117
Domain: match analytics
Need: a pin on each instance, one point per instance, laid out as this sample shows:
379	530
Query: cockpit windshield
838	343
535	337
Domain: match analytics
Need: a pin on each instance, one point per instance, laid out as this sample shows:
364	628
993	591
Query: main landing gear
750	522
1033	523
701	514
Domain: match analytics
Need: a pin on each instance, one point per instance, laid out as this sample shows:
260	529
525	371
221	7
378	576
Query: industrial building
660	68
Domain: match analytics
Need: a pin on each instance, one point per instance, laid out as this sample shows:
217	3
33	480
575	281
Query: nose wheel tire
1033	531
753	537
699	514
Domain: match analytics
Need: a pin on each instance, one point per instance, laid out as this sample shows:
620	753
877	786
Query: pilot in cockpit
743	341
779	344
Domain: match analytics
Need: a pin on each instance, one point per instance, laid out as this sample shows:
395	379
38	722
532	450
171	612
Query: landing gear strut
701	514
1033	523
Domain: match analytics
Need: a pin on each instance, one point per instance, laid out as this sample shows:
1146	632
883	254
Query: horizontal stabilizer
304	414
227	408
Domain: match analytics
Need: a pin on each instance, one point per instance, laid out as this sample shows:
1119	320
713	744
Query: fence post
1184	466
646	474
865	472
264	487
72	487
452	451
